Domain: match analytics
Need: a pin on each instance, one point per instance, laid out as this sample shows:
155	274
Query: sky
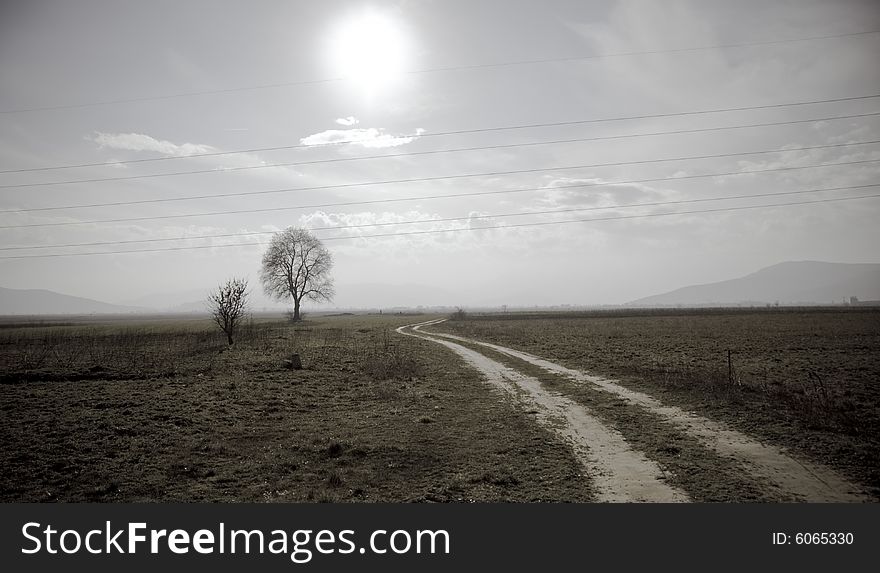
339	85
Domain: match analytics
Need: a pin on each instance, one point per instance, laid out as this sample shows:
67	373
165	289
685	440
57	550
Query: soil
801	479
620	473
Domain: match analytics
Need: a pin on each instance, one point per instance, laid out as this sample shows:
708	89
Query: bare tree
459	314
297	266
228	305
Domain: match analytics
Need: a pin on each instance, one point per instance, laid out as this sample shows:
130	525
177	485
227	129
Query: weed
382	359
334	479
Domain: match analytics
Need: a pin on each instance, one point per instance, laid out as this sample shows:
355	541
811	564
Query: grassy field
808	379
164	410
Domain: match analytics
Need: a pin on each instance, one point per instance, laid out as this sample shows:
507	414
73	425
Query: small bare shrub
458	314
228	305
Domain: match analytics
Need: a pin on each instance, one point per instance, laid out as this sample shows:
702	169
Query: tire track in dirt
619	473
808	481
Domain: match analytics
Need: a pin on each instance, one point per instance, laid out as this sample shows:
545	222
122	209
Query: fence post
729	368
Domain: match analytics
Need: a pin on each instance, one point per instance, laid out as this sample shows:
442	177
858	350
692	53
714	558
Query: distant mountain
800	282
39	301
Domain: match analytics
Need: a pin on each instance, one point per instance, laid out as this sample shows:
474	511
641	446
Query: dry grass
807	379
163	410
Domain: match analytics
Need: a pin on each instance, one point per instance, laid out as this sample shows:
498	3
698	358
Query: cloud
370	137
566	192
395	225
348	121
228	160
141	142
365	218
414	234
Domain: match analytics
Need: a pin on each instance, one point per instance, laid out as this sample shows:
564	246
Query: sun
370	50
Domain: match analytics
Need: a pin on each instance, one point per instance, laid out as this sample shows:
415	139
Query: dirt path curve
808	481
619	473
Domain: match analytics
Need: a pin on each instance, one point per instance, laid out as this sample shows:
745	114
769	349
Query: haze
396	99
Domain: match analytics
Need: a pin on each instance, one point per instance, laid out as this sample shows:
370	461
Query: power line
432	197
396	155
482	130
418	179
451	219
542	223
444	133
435	70
431	232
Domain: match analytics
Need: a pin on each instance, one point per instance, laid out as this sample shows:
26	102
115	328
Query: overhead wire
465	175
428	232
444	133
476	130
433	197
451	219
428	152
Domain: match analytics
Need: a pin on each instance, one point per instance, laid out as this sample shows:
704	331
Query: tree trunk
296	317
229	338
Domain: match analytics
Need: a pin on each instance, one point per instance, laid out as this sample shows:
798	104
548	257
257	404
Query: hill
796	282
40	301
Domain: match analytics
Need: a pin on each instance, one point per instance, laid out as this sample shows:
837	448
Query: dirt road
620	472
